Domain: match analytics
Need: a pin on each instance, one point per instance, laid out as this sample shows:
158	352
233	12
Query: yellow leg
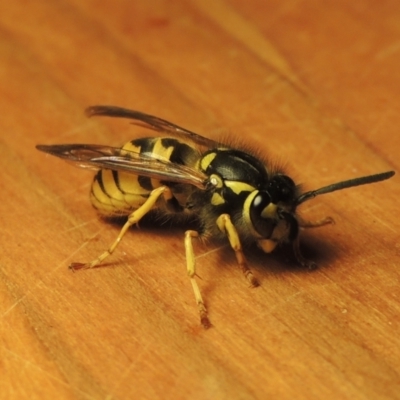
133	219
225	225
191	270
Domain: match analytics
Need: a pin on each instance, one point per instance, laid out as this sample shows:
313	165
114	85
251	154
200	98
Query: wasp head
271	212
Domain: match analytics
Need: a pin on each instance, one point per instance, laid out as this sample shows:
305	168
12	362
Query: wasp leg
315	224
133	219
299	257
191	270
296	244
225	225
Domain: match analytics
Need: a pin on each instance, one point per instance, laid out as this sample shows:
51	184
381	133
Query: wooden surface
315	85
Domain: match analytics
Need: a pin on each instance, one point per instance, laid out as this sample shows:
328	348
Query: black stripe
145	182
146	144
99	178
116	180
181	154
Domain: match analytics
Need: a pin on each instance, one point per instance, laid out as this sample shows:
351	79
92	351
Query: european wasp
229	192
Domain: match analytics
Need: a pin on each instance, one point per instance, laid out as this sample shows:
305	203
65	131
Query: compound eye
282	188
259	203
261	213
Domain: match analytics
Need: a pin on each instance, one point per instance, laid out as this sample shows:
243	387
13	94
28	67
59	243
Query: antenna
363	180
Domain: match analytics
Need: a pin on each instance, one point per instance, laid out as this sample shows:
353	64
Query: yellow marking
207	160
267	245
115	202
130	147
239	187
134	200
105	209
246	212
197	164
160	151
99	194
217	199
269	211
129	184
216	181
133	219
110	186
225	225
191	270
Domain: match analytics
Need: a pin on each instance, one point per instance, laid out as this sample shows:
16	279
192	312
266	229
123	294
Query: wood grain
315	85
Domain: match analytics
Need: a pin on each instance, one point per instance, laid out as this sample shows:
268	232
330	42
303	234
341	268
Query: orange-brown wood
315	85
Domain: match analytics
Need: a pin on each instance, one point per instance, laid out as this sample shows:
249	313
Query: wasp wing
152	122
97	157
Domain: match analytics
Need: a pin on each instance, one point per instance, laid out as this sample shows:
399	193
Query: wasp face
271	212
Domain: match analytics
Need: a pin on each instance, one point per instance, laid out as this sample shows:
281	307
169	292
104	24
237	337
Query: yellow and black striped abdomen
118	193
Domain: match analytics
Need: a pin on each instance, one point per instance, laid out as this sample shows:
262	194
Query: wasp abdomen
118	193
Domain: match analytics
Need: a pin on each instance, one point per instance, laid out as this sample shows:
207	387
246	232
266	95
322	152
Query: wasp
229	192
